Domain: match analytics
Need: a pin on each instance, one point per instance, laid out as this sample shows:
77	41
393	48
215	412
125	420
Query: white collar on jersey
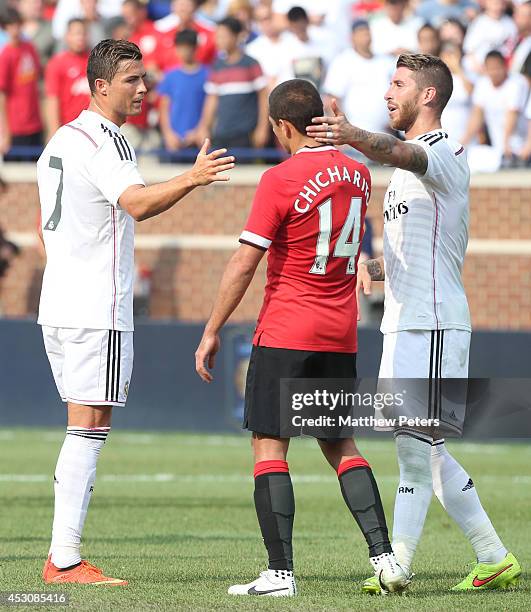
319	149
97	119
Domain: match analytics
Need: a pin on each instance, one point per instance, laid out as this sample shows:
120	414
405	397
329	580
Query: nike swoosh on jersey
477	582
253	591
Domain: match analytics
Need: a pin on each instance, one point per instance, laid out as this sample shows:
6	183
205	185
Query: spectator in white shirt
68	9
457	112
499	101
358	79
395	31
272	49
489	31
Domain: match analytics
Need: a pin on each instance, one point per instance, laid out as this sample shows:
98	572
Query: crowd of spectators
211	64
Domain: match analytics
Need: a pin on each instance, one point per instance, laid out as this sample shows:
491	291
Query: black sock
275	508
362	497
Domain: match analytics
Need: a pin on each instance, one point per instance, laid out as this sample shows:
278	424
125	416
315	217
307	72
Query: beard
407	116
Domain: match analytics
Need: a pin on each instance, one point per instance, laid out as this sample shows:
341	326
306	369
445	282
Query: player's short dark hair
104	60
494	54
232	24
429	71
296	101
10	16
186	38
297	13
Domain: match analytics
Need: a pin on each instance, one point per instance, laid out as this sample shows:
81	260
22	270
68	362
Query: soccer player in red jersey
67	88
308	212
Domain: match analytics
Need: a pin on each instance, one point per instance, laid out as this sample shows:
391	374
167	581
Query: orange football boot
84	573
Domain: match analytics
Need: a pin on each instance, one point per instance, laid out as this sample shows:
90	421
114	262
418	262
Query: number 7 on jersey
53	221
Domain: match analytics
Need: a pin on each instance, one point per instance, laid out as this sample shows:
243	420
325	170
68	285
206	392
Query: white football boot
274	583
391	577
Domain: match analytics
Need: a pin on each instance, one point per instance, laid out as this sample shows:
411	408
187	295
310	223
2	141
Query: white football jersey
89	239
425	239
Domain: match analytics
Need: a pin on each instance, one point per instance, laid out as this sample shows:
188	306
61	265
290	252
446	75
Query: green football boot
371	586
503	575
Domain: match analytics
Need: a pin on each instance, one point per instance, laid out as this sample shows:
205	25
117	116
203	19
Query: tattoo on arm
418	160
391	151
375	269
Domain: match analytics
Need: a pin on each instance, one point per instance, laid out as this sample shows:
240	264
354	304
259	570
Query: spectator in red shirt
67	89
20	118
143	33
183	17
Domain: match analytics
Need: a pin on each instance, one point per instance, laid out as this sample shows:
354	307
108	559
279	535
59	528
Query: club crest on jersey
322	180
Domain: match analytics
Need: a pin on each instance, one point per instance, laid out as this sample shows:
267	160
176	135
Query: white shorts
425	354
90	366
430	369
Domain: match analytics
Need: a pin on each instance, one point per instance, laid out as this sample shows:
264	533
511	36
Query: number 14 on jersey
344	247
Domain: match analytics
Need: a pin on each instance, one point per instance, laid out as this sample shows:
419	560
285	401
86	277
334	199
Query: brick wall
184	280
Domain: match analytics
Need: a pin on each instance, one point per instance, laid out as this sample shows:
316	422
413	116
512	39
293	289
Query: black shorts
268	365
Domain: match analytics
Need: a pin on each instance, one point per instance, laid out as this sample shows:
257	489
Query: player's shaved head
429	71
106	58
296	101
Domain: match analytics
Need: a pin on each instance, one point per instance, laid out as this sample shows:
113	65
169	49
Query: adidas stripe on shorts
435	364
90	366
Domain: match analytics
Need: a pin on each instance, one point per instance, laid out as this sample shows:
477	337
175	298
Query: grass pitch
173	514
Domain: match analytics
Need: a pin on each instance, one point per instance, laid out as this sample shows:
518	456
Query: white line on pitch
226	478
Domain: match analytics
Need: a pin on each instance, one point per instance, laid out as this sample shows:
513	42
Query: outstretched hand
209	167
334	130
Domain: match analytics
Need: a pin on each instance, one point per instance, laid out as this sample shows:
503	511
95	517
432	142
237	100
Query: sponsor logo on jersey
406	489
126	388
393	210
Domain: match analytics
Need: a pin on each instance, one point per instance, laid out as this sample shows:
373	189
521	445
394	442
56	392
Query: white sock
74	478
456	492
413	496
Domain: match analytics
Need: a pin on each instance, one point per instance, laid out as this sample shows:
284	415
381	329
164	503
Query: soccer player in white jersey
426	324
91	193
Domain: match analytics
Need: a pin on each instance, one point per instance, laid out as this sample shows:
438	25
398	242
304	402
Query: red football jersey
149	41
309	212
19	80
206	46
66	79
